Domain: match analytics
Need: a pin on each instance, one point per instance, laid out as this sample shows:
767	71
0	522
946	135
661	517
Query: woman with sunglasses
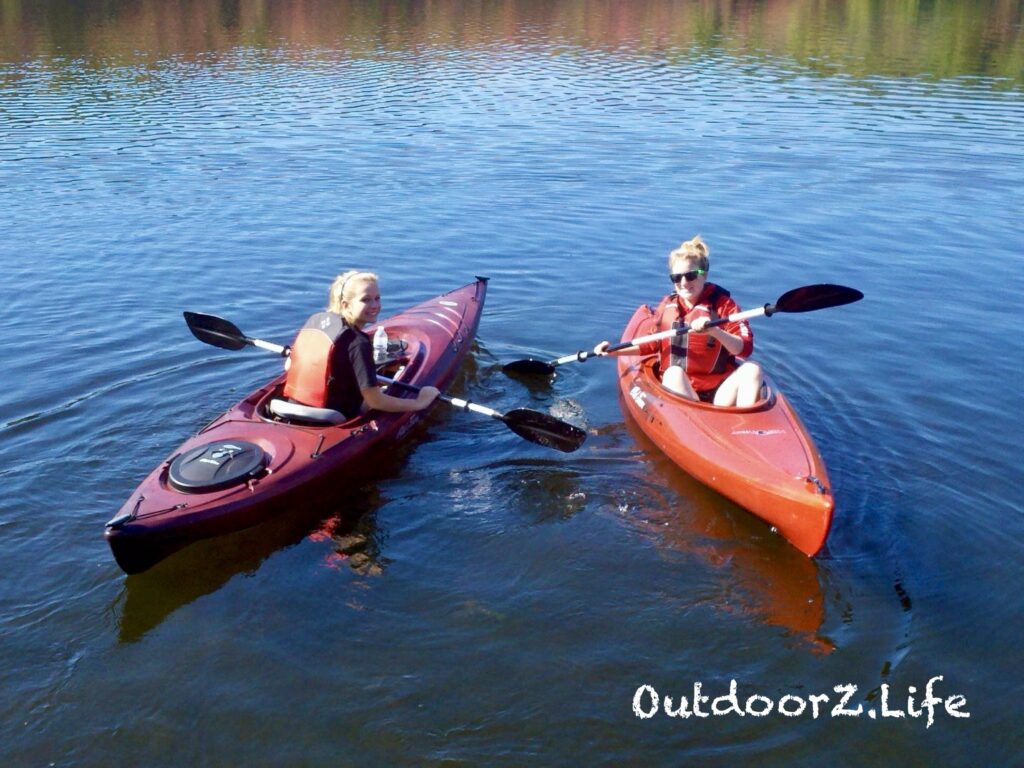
701	364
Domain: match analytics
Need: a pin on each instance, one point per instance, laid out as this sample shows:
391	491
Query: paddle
537	427
222	333
807	298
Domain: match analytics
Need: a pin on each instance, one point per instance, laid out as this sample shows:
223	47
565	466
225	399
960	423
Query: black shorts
708	396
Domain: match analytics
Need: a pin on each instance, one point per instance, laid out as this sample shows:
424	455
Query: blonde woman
331	362
702	364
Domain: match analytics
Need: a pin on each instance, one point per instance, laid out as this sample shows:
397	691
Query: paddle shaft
736	317
806	298
458	402
270	346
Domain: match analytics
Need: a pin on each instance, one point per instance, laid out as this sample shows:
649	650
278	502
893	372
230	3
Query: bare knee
676	380
750	372
742	387
750	378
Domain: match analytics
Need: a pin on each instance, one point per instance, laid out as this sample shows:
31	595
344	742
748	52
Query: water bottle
380	345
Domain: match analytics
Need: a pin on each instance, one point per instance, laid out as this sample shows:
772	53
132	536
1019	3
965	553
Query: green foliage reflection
931	39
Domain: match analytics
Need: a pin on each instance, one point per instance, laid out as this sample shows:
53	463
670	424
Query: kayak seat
285	409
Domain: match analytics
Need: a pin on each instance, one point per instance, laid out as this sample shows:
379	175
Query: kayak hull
300	461
760	457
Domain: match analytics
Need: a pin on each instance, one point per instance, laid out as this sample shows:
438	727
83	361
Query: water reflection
354	543
762	576
859	38
347	520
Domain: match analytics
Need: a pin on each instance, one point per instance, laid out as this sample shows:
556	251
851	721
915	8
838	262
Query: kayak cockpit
650	366
274	407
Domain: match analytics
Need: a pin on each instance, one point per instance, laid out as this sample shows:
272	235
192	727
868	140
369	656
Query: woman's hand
426	396
732	343
601	349
700	324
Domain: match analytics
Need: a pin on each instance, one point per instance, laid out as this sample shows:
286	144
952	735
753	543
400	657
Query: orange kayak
760	457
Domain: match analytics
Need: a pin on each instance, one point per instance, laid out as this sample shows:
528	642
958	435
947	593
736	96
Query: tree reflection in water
850	38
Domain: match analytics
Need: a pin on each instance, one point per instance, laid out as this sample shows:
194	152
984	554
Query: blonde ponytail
695	251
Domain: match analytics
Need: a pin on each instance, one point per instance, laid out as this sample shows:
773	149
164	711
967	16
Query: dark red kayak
262	456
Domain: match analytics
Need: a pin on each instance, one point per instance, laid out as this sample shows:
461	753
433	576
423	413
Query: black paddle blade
529	367
214	330
542	429
809	298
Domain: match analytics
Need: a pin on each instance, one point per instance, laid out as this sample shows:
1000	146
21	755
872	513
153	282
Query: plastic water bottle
380	345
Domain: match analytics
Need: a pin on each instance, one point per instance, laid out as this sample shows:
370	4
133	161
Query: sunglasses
678	277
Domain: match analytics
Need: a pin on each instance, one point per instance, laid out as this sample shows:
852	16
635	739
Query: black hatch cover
216	465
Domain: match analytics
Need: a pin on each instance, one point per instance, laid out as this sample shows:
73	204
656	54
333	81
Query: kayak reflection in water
331	362
701	364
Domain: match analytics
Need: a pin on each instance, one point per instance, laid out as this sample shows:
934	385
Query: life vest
702	356
309	371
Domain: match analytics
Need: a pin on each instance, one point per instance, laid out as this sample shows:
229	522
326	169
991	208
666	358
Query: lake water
482	600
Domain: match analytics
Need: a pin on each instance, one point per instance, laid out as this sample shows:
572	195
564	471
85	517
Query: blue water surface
482	600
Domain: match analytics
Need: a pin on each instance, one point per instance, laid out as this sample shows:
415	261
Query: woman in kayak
331	362
701	364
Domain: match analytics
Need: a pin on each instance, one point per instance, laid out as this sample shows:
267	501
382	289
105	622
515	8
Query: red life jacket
309	371
707	363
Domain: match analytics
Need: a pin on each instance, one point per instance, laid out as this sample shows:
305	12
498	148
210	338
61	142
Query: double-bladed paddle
540	428
807	298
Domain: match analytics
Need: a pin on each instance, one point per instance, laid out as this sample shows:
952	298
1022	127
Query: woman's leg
675	379
742	387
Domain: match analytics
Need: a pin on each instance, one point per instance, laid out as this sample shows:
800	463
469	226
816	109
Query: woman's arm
733	344
378	400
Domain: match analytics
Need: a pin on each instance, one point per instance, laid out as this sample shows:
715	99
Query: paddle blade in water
214	330
809	298
542	429
529	367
